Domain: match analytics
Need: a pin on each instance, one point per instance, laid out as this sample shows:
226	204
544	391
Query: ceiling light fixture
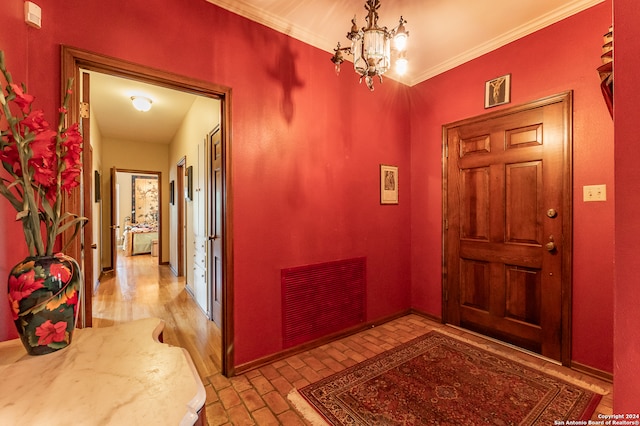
141	103
371	47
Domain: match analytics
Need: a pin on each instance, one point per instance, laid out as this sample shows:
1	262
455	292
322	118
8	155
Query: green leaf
60	345
21	215
47	208
77	222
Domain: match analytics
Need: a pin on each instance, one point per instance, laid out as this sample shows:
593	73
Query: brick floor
259	397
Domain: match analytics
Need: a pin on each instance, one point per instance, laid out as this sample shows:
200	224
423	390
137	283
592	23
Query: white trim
506	38
249	11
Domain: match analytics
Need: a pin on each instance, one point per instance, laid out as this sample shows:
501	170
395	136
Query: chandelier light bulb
141	103
401	66
400	41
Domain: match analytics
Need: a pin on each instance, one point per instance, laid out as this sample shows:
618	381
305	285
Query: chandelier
371	47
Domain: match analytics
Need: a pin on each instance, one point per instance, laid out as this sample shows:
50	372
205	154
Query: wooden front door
507	225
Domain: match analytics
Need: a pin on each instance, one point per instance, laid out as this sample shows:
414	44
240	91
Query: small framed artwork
189	187
497	91
388	184
96	188
172	193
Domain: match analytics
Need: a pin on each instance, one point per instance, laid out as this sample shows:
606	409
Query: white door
201	289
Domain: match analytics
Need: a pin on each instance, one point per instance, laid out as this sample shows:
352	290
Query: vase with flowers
40	164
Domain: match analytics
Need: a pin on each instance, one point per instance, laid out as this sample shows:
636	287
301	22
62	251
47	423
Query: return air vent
321	299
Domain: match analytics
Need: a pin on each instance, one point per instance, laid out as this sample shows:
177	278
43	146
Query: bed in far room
138	239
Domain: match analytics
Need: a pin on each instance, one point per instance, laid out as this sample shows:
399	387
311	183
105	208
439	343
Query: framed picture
96	186
189	188
497	91
144	199
388	184
172	193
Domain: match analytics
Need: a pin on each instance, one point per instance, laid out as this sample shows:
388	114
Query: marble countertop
119	375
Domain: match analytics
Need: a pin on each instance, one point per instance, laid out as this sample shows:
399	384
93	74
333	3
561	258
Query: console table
108	376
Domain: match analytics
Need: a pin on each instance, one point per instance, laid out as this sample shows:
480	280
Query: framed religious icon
497	91
388	184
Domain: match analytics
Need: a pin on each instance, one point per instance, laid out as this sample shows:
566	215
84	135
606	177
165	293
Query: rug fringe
557	374
304	408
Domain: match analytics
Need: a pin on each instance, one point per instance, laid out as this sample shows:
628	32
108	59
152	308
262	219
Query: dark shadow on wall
284	72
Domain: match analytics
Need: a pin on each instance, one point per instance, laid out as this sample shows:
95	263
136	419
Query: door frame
74	59
567	205
161	219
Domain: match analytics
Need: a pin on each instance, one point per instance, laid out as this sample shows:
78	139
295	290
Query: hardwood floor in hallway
142	289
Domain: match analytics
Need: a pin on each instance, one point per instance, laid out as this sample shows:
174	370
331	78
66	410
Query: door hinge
84	110
446	151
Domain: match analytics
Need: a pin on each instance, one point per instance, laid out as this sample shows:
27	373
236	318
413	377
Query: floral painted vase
43	298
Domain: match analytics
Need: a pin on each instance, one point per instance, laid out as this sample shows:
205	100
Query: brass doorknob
551	245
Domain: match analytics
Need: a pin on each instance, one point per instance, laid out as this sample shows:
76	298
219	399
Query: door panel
113	225
217	230
505	257
201	267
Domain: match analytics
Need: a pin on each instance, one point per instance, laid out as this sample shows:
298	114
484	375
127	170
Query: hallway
142	289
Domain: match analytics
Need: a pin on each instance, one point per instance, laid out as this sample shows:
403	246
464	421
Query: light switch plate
594	193
32	14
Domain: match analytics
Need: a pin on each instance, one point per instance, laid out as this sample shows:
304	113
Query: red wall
306	145
13	41
626	390
306	153
558	58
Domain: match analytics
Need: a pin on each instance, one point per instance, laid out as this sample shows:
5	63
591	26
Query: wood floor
142	289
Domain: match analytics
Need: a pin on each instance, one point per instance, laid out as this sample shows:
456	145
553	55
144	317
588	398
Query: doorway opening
136	219
74	61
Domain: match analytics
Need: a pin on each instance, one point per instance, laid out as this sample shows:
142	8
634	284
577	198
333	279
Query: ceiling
442	35
117	119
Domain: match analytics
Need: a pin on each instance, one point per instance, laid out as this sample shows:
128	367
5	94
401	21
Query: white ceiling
117	119
442	35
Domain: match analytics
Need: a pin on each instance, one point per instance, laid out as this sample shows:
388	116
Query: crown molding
530	27
253	13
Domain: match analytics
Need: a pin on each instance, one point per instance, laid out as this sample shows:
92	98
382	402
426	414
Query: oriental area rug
437	379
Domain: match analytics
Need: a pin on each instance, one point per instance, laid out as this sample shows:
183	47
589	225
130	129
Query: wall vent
321	299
